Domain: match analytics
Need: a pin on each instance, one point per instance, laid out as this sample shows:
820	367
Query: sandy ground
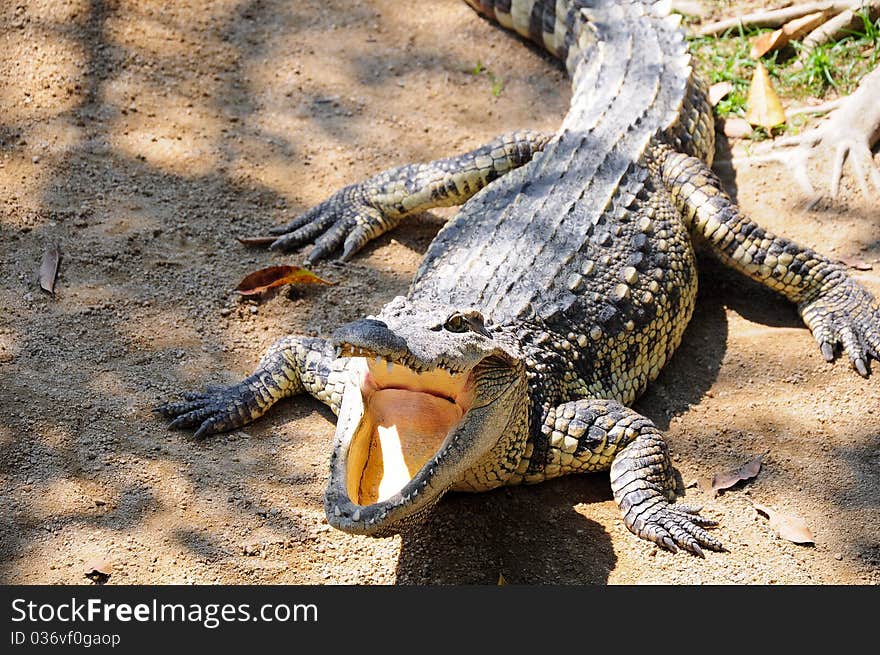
142	136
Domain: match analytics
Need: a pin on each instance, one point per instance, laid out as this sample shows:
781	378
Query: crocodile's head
431	394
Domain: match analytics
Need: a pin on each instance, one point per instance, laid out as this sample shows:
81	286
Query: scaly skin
560	290
361	212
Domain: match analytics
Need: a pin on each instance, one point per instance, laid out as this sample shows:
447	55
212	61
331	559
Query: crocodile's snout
369	332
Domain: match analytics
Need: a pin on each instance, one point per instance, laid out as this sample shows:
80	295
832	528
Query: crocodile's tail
581	33
558	27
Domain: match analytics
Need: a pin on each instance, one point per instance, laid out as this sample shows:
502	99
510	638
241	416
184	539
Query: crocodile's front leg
836	308
360	212
293	365
597	435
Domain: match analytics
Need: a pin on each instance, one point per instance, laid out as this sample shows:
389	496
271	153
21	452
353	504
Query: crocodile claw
346	219
845	315
218	409
676	526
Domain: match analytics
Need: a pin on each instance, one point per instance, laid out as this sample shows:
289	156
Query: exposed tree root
840	26
848	133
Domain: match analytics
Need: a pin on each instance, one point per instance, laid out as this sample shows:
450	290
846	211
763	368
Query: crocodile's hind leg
293	365
595	435
836	308
358	213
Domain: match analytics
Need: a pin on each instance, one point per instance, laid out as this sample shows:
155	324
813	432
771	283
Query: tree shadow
76	420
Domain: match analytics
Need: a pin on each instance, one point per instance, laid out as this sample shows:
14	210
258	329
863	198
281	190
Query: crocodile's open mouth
406	417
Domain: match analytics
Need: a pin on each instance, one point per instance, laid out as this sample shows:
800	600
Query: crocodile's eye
456	323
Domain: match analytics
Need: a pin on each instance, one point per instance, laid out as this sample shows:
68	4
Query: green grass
830	70
496	82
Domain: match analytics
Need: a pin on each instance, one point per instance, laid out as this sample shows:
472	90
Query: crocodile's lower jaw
393	422
399	432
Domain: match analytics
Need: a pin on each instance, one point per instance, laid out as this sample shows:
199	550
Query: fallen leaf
501	580
788	526
717	92
705	485
737	128
791	31
98	569
802	26
275	276
763	106
256	241
766	42
857	265
49	268
727	479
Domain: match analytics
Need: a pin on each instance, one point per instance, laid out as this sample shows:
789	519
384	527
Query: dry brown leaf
705	485
98	569
737	128
49	268
800	27
717	92
763	106
256	241
857	264
766	42
727	479
275	276
788	526
791	31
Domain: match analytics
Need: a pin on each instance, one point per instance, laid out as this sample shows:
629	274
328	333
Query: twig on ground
824	108
777	17
840	26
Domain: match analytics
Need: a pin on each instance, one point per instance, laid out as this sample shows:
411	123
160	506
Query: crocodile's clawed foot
845	316
345	219
218	409
676	526
847	135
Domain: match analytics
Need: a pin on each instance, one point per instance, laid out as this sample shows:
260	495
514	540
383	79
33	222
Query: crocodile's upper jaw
406	433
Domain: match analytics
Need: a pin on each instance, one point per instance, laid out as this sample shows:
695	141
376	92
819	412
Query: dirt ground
142	136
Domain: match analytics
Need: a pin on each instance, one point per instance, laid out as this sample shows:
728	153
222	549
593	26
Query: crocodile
548	303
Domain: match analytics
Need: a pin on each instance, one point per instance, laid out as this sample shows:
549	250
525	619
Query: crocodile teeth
356	516
337	511
388	365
